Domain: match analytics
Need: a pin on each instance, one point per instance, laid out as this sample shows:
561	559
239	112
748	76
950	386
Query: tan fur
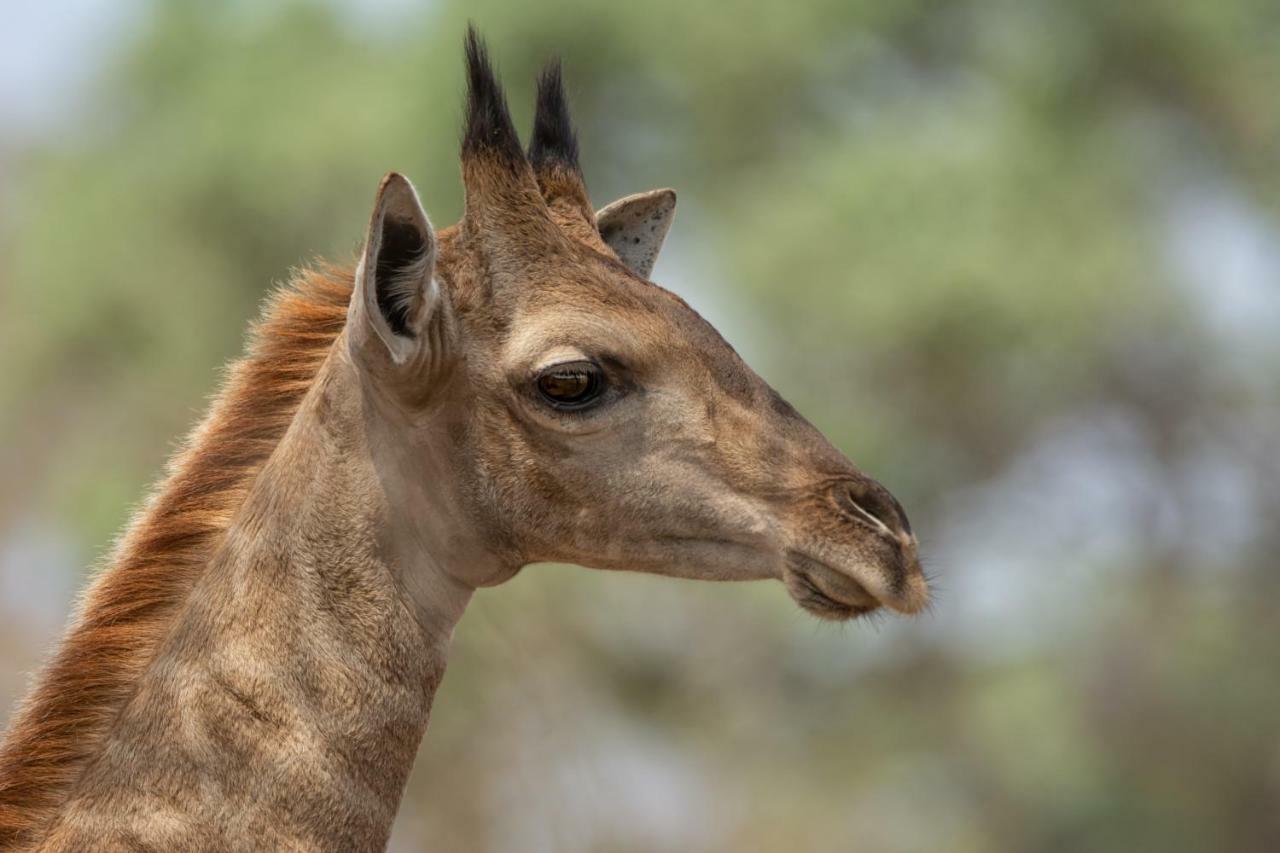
566	198
130	605
256	667
284	706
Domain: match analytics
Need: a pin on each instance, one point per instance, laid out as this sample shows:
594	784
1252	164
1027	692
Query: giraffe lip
851	601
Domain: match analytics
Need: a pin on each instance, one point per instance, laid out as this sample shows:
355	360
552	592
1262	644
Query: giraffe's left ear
397	300
635	227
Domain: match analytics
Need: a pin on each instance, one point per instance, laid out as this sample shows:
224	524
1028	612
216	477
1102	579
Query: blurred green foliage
947	231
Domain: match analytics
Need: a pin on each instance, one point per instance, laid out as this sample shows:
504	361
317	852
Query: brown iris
573	385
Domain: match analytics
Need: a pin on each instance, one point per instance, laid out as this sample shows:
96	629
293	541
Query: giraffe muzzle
869	560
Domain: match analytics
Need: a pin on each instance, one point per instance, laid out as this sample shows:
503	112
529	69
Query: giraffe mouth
837	597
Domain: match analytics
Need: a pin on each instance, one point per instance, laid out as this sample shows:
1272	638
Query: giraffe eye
572	385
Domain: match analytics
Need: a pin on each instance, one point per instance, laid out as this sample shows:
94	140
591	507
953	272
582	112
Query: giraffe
255	667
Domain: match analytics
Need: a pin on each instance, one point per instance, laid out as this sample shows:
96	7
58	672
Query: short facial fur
686	464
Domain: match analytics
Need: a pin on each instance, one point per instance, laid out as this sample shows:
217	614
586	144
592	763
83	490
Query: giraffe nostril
867	499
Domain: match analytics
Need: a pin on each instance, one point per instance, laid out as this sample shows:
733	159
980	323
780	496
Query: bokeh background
1018	258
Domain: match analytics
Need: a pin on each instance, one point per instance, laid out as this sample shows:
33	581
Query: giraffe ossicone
256	666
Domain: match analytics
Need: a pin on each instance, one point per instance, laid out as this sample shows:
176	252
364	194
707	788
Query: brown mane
128	609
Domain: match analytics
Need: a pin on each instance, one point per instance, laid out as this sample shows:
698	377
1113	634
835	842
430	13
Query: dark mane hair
131	605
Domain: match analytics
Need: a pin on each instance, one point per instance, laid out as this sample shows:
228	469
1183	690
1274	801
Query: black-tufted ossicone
488	128
554	141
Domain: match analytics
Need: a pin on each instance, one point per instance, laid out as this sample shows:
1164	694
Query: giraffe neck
286	705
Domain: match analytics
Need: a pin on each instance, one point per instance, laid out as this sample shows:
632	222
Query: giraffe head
576	412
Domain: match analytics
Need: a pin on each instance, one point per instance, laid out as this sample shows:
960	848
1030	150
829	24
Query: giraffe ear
635	226
396	297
